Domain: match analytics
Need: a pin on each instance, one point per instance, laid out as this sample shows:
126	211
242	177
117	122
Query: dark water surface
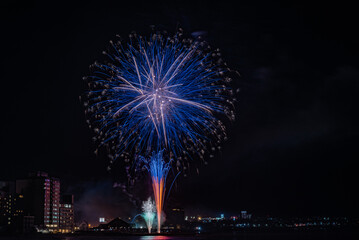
228	236
241	236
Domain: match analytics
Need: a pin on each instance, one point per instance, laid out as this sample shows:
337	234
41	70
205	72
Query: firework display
158	170
149	209
159	93
156	95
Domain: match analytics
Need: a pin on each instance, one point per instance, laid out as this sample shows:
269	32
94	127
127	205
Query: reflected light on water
155	238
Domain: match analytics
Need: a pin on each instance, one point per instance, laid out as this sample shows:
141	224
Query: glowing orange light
159	192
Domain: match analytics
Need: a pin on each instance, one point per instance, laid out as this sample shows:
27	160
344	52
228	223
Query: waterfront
319	235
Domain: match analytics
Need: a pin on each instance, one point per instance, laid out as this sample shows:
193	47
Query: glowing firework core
148	208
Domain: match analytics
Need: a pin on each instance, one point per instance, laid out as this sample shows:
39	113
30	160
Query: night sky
292	150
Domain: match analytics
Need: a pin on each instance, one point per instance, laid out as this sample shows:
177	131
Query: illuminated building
42	199
103	220
245	215
11	212
66	223
116	225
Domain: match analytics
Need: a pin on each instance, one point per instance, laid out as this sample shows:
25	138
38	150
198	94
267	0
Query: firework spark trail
158	170
148	208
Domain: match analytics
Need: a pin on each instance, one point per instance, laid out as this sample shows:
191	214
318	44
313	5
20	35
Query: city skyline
17	202
35	202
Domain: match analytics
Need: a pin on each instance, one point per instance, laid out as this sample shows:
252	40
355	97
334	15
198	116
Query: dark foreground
320	235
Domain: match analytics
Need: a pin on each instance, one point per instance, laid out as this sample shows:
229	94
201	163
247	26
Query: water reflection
155	238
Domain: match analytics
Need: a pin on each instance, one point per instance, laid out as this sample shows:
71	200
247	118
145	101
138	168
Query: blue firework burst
159	93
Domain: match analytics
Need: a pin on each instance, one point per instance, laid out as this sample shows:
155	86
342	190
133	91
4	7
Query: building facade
42	194
67	214
11	207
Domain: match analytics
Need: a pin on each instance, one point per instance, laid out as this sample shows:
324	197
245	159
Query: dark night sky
292	150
